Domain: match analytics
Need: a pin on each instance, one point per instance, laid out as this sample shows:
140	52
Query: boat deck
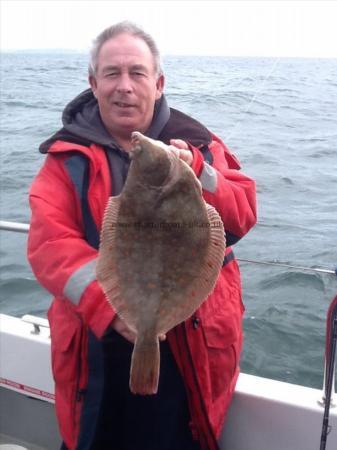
27	422
10	443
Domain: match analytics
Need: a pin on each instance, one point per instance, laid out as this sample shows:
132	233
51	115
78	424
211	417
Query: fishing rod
330	356
290	266
253	99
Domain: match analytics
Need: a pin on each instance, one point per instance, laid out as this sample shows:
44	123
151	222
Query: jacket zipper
196	382
79	393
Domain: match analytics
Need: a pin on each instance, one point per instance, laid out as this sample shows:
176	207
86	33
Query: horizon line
83	51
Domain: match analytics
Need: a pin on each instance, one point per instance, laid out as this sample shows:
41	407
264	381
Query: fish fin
204	283
214	258
145	363
106	262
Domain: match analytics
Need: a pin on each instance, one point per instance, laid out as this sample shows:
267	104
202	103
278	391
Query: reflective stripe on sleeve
208	178
79	281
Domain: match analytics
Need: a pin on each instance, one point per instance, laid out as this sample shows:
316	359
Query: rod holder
37	322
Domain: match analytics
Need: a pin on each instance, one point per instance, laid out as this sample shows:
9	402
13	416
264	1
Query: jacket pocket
66	334
222	342
68	344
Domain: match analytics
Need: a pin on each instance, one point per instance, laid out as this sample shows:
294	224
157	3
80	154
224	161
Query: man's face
126	85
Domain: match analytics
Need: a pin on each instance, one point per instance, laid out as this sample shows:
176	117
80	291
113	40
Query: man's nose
124	83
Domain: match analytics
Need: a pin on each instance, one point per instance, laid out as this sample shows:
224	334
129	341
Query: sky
283	28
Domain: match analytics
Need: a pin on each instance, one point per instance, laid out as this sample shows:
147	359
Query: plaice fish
160	254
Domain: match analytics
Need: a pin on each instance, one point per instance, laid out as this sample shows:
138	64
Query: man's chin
128	126
124	126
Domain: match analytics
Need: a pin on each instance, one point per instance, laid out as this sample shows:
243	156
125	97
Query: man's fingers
179	143
120	326
185	155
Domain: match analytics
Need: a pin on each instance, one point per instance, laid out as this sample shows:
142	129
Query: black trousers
135	422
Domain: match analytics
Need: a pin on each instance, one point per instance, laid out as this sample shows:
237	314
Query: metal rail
14	226
24	228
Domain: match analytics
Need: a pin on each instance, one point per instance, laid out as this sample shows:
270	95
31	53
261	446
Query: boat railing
14	226
24	228
331	332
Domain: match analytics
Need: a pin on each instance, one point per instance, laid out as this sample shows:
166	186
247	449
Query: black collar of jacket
168	123
182	126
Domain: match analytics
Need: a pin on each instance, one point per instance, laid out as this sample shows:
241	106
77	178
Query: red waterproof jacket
206	347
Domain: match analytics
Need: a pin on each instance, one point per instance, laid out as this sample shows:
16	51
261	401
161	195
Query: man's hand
120	326
181	150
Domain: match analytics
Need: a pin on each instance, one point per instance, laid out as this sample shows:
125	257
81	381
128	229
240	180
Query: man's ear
93	84
160	86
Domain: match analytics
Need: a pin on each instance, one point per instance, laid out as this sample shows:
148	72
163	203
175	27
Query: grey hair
121	28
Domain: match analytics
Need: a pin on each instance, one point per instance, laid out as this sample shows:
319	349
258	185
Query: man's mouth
123	105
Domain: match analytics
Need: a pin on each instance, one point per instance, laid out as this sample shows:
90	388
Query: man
87	162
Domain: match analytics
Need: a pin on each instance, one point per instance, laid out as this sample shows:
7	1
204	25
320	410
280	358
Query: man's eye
138	74
111	74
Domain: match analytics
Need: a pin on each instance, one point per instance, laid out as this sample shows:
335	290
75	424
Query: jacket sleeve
62	261
231	192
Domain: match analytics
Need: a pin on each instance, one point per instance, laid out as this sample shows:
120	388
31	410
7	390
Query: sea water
278	116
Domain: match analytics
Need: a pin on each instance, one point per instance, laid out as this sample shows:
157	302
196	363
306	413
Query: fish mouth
136	137
136	144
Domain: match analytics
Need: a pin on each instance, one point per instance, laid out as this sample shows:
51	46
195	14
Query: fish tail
145	363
